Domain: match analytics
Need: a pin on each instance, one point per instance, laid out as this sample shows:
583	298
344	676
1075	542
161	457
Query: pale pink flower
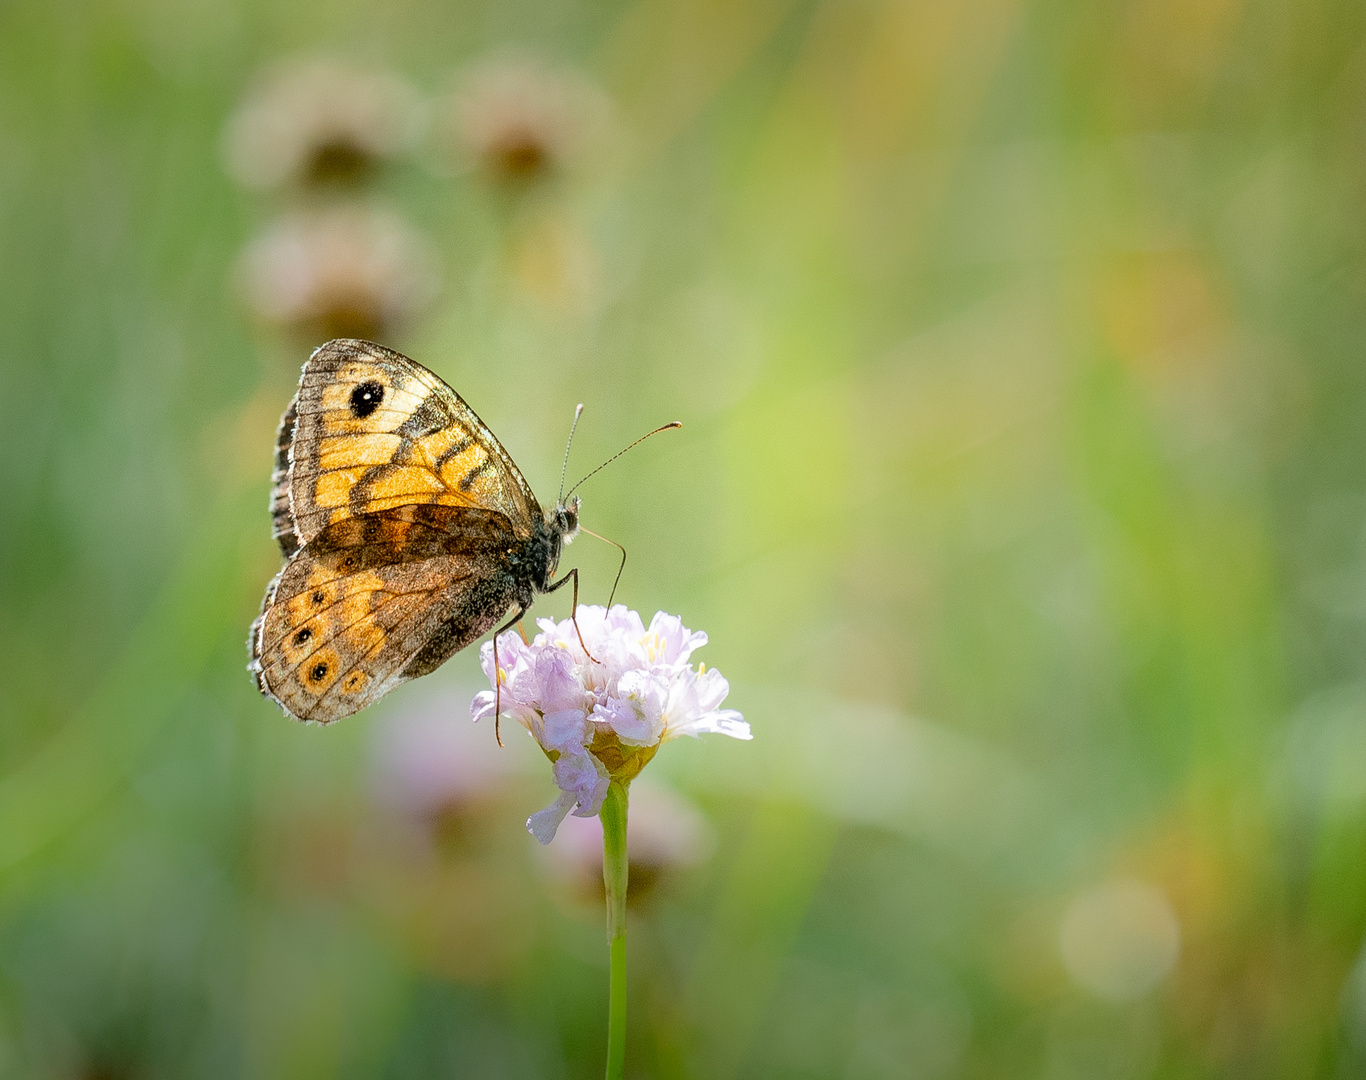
320	120
349	269
603	718
520	119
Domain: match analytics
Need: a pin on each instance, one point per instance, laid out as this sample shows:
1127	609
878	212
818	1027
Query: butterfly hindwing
370	430
374	600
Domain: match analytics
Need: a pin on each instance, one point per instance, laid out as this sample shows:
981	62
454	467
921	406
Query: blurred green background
1022	491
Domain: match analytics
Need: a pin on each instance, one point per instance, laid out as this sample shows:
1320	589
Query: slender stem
614	870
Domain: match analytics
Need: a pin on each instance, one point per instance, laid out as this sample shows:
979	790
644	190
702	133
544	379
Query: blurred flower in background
434	860
349	269
321	121
519	119
666	835
1120	939
428	761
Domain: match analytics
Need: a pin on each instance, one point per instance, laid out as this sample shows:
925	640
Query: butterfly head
566	519
558	528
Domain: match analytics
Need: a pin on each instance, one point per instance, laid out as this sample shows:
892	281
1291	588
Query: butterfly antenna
666	427
578	411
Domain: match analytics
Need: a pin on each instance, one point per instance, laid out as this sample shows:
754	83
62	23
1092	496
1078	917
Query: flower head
520	119
320	121
344	270
601	718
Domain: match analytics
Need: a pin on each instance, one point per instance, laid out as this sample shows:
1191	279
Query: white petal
647	691
482	706
544	823
712	689
721	722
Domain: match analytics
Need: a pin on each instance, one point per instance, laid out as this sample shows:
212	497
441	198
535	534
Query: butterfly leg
574	609
498	672
616	580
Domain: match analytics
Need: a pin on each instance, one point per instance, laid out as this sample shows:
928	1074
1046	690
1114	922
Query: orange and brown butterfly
408	530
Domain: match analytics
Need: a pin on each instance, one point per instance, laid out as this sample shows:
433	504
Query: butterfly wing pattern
408	529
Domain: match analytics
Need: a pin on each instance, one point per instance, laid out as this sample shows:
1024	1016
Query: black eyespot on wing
302	636
319	596
365	398
319	672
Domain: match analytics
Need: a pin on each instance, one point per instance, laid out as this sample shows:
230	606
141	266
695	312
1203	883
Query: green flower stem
614	872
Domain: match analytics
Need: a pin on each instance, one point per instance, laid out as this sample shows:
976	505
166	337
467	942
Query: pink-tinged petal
481	708
522	686
584	776
486	661
511	651
622	620
558	687
565	731
676	641
637	691
630	726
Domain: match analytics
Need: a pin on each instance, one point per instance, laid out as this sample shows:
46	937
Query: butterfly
409	533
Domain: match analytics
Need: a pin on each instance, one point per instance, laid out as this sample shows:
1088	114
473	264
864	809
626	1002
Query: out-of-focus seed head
320	122
519	120
347	270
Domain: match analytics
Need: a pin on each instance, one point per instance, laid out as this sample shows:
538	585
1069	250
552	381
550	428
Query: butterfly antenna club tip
664	427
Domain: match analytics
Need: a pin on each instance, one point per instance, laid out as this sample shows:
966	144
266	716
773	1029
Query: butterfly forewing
373	431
